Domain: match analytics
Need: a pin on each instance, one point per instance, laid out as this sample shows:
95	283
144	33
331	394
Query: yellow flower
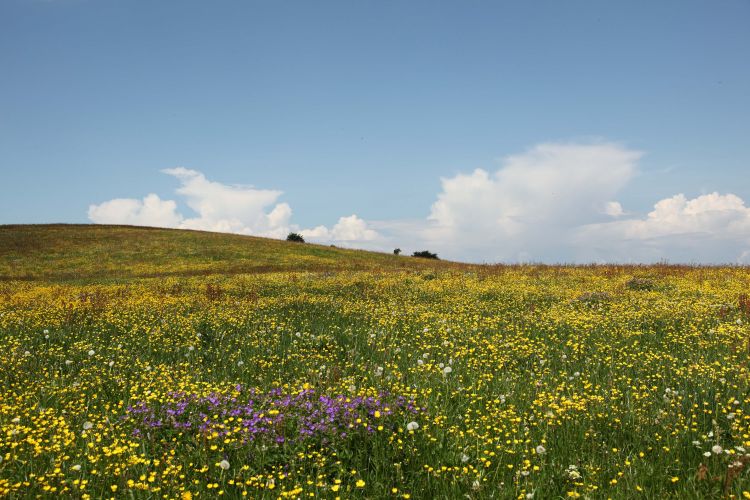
360	484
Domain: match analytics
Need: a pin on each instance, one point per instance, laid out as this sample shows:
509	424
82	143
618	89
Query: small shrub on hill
425	254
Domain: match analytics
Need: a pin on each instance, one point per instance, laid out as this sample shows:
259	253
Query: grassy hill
95	252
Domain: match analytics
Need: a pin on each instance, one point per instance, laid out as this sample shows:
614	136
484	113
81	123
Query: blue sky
361	108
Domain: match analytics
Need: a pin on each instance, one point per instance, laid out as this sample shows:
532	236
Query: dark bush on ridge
425	254
295	237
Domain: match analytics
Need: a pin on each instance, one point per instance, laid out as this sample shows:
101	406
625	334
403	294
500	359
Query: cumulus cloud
525	209
346	230
708	228
614	209
151	211
555	203
222	208
231	209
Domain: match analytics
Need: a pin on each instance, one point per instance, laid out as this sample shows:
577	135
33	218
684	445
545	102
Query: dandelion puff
540	450
76	467
224	465
447	370
87	425
412	426
91	352
717	449
464	458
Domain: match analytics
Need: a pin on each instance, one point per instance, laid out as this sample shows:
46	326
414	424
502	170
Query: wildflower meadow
385	382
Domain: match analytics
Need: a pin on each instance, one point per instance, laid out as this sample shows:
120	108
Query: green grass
100	252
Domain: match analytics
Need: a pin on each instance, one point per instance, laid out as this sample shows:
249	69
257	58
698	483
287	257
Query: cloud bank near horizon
555	202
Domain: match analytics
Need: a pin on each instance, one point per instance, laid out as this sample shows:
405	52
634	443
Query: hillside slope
85	252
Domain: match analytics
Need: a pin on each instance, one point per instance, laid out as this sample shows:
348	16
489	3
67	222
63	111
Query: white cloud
709	228
223	208
614	209
525	209
554	203
347	230
231	209
151	211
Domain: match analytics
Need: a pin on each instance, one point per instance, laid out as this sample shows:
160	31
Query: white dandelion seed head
412	426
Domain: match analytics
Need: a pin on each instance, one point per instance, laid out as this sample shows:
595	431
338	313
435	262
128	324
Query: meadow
144	363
